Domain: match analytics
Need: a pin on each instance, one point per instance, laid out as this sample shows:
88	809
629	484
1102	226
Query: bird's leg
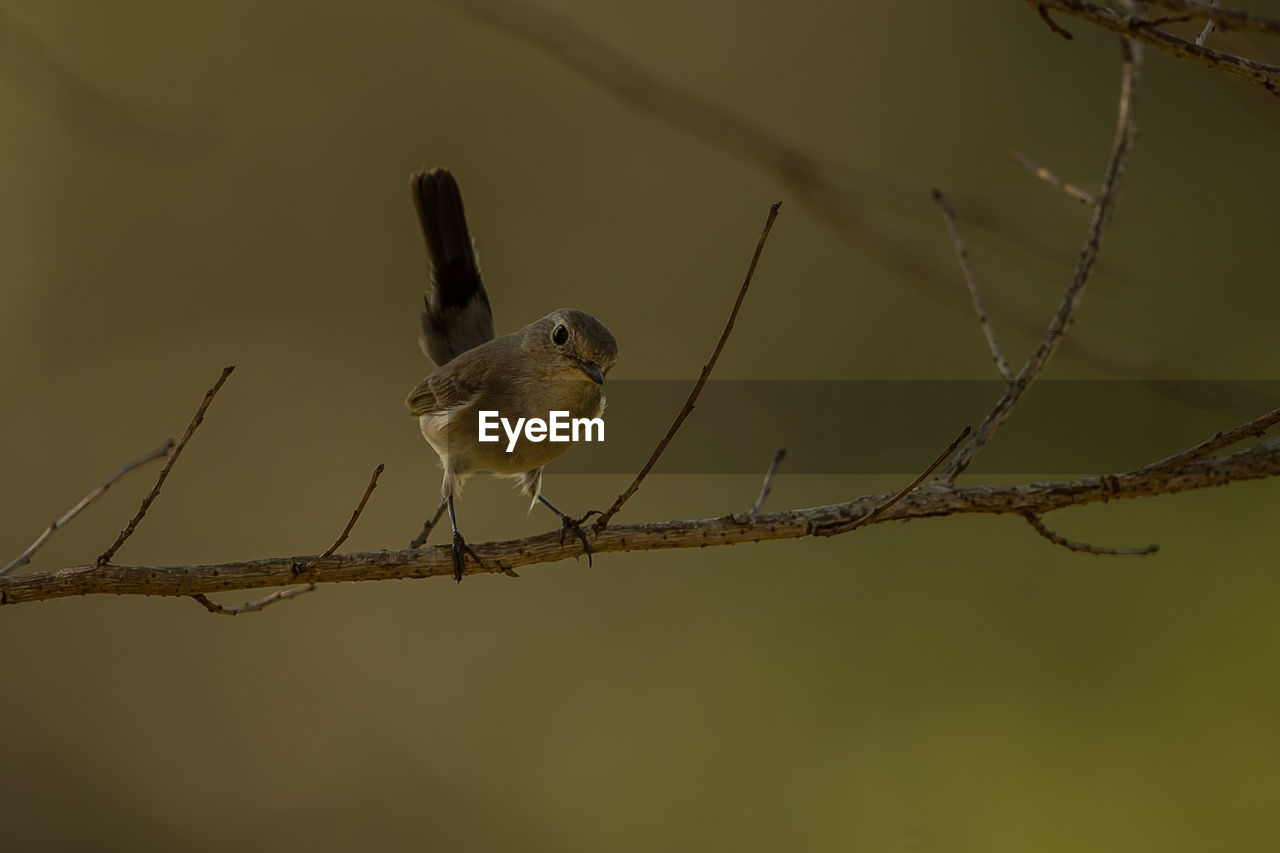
568	522
428	526
460	548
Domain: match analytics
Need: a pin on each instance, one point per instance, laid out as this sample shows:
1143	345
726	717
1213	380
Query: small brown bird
555	364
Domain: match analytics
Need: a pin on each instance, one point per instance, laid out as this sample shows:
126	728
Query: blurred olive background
190	185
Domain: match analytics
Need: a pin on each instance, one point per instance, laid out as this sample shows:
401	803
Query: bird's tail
456	314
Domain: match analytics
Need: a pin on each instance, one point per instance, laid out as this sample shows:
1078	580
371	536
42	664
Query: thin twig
1204	34
168	466
1053	180
884	506
1053	25
25	557
1126	127
1260	73
1208	28
355	515
295	591
603	520
429	525
1256	427
253	606
767	485
962	254
1084	547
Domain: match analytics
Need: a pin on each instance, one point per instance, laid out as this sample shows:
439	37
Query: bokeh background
189	185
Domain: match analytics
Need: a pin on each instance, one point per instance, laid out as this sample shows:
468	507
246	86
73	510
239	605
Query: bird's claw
568	523
461	550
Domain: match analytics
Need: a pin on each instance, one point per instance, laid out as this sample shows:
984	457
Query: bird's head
580	346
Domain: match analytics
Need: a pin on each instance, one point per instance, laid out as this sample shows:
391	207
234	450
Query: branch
168	466
1125	128
1084	547
962	254
931	500
1224	18
1260	73
25	557
603	520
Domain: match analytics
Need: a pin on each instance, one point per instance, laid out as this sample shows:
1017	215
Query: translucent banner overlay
898	426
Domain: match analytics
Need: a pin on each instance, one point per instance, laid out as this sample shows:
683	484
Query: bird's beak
591	369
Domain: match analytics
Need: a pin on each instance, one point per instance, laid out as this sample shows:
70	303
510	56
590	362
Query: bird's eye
560	335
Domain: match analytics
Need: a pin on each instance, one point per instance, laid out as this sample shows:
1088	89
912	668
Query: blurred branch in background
853	201
113	122
1053	180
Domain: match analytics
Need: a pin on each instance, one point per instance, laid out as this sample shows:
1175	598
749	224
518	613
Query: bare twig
1053	25
910	487
1208	28
1226	18
1084	547
168	466
429	525
1125	129
1256	427
962	254
253	606
1053	180
1259	461
603	520
355	515
295	591
1260	73
25	557
767	485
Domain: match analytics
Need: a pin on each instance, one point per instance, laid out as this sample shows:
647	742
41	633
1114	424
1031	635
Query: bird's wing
455	384
456	316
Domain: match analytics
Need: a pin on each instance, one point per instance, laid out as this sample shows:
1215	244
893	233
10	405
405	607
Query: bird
556	363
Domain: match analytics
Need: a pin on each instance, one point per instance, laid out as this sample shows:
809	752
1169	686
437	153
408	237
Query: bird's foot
461	550
568	523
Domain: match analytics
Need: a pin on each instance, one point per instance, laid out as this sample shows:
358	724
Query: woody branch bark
929	501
